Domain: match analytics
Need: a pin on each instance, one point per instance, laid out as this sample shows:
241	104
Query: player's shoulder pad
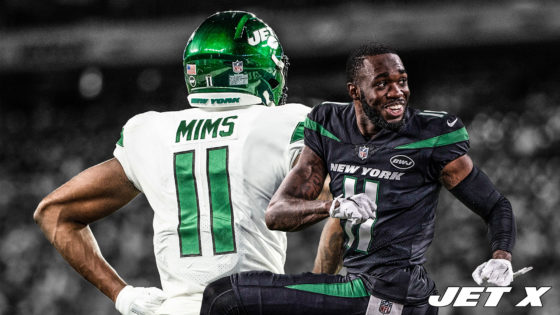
325	110
135	124
293	108
436	123
142	119
286	114
329	119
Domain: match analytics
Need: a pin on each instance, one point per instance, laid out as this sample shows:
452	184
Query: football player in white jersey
207	172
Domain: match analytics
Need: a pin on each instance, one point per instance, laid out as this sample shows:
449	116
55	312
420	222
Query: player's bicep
93	194
455	171
306	179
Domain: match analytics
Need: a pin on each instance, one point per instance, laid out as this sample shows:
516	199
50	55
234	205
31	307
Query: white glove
139	301
356	209
495	271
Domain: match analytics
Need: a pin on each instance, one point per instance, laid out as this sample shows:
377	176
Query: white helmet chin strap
225	99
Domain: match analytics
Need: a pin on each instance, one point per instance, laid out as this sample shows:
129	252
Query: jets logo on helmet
263	35
234	53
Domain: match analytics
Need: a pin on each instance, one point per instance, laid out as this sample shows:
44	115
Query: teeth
395	107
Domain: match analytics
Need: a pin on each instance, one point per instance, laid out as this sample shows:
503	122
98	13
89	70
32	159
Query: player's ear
353	91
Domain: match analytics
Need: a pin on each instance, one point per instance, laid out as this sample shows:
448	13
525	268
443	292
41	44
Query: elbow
46	214
41	212
275	217
270	218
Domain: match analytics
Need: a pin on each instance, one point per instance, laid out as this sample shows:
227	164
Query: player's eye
380	84
403	81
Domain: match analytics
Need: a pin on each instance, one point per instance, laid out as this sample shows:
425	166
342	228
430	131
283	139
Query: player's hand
356	209
139	301
495	272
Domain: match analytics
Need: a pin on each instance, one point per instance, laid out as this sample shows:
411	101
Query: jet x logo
470	296
533	296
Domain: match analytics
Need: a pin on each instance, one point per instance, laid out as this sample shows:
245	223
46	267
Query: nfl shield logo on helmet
191	69
385	307
363	152
237	66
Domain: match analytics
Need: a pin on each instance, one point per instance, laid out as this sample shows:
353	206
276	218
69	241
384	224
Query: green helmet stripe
240	26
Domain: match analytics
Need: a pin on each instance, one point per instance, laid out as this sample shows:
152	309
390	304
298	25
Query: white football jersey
209	174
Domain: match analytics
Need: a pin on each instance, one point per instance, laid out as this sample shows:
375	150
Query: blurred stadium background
73	71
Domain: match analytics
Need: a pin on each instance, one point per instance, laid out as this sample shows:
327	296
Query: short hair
355	60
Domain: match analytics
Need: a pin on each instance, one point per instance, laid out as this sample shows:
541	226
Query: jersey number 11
221	212
360	237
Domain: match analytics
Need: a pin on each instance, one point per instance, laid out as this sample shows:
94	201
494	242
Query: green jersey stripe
352	289
297	135
439	141
312	125
121	140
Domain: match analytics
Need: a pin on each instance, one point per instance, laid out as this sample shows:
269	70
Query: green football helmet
233	58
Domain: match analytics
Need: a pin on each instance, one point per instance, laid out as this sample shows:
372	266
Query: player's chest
352	166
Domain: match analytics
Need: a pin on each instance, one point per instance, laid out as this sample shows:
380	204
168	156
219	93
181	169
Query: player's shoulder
435	123
284	114
291	109
142	119
330	107
326	110
151	121
154	116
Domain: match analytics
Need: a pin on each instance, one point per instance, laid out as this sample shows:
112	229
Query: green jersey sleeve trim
352	289
445	139
121	139
312	125
297	135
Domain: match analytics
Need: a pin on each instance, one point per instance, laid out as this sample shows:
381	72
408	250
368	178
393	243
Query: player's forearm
478	193
501	226
292	214
77	245
329	252
325	264
80	249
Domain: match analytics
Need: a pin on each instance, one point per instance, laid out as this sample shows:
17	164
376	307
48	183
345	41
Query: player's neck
366	127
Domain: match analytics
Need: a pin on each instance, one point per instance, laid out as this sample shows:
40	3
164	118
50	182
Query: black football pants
265	293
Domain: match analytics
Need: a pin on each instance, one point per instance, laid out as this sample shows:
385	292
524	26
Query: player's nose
394	91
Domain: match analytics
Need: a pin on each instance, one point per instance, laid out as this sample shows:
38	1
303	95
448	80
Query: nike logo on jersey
452	123
366	171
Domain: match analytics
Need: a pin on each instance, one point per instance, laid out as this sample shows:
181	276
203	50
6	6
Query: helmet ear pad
235	52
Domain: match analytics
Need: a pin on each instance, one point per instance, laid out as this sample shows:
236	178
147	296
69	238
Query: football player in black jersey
387	163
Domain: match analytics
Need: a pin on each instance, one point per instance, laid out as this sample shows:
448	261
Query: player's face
383	86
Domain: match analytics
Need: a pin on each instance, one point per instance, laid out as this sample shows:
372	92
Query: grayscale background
73	71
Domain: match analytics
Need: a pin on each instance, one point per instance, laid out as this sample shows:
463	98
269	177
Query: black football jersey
398	170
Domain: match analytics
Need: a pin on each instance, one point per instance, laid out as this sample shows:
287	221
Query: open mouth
394	110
